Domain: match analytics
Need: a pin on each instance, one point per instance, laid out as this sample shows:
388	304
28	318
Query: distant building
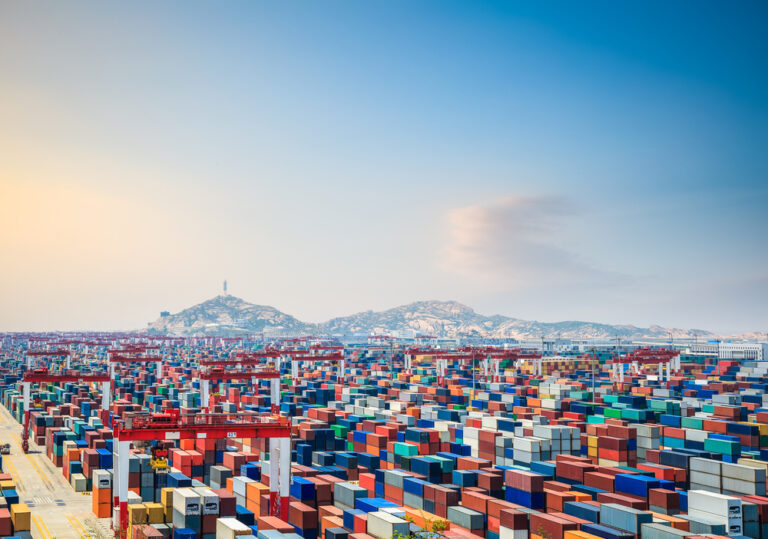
163	314
703	348
752	351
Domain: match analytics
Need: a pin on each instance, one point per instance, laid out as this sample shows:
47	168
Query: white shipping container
383	525
527	444
705	465
551	404
697	486
470	433
526	457
209	500
647	431
239	481
648	443
743	473
737	486
708	479
696	435
102	479
187	502
229	528
717	504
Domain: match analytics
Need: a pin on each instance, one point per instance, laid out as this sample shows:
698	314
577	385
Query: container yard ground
57	510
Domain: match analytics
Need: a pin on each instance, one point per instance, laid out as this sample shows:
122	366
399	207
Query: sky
600	161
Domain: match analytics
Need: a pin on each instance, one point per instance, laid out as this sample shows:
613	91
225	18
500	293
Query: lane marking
46	480
77	521
45	526
38	521
76	525
37	525
15	473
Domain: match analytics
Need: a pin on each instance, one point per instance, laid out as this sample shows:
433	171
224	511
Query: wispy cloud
516	242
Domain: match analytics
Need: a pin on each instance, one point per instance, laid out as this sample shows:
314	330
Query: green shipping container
692	423
724	447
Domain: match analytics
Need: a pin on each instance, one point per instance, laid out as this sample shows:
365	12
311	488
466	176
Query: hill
229	315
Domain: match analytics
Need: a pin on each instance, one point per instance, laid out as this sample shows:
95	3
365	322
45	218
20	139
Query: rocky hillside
450	318
443	318
228	315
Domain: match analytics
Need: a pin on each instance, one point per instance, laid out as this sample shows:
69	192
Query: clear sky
600	161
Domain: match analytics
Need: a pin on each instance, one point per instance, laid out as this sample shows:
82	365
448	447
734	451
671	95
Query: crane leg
123	448
25	434
274	390
285	477
106	396
205	392
279	476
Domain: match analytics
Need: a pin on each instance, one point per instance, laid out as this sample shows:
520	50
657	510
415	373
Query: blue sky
560	160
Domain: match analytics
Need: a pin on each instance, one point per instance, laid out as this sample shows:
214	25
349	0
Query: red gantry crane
124	356
441	361
661	356
219	373
243	358
170	426
494	357
414	351
131	355
32	355
298	357
42	375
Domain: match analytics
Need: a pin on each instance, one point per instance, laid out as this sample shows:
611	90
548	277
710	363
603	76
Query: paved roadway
58	512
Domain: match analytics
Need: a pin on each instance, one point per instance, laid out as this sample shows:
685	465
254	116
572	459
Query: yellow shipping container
166	498
155	513
137	514
21	517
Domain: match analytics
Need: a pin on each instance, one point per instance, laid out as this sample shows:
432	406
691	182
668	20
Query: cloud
516	242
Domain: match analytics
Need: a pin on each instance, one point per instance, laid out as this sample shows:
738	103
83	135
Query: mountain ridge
230	315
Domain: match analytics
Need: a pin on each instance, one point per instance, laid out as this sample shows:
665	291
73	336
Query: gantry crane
494	357
59	352
661	356
414	351
42	375
239	359
120	356
491	360
441	361
169	426
319	349
297	357
219	373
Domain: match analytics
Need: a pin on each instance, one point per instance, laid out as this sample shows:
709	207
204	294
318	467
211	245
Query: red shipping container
550	526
